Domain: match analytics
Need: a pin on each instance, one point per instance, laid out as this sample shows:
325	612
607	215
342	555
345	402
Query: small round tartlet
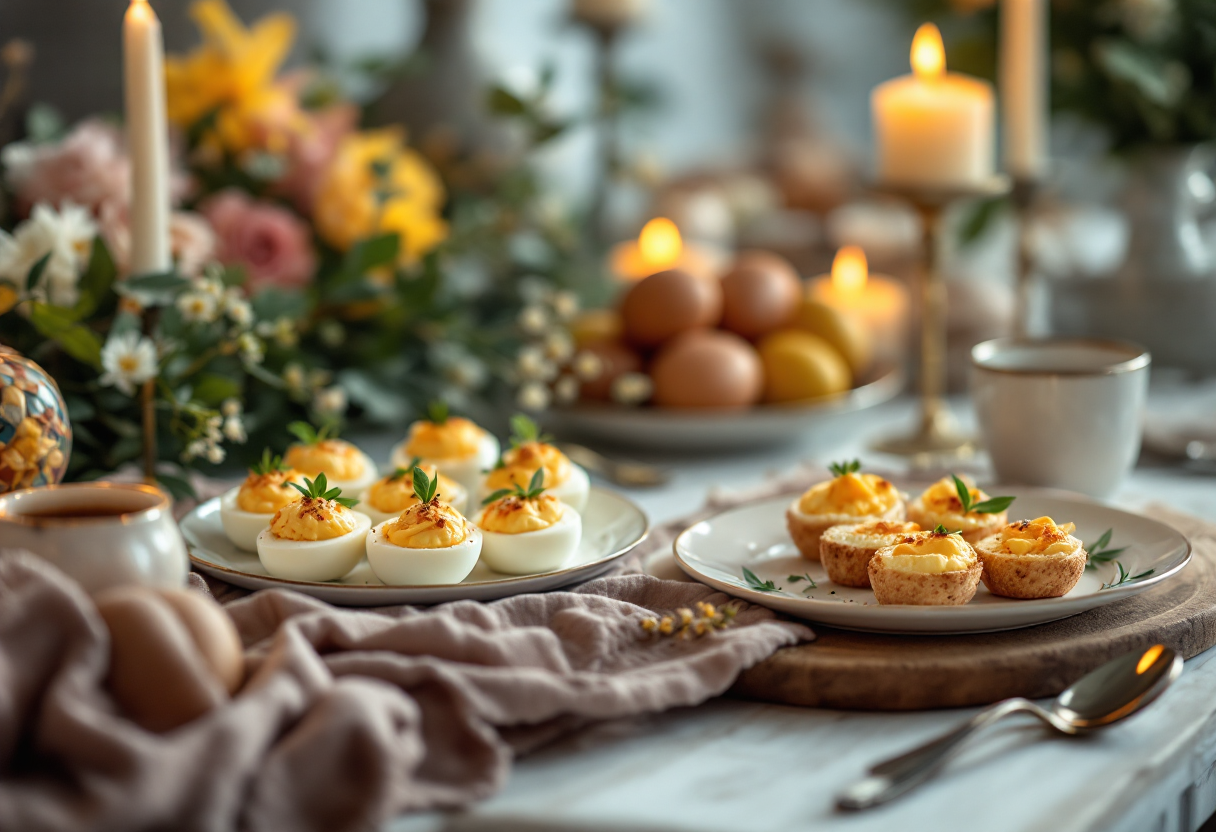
428	544
313	539
389	496
926	569
846	550
848	498
1032	559
939	505
344	465
563	479
249	508
528	533
457	447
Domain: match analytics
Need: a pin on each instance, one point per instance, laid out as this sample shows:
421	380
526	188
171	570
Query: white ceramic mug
101	534
1064	412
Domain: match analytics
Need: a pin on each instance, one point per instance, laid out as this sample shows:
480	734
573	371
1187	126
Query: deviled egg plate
563	479
429	543
249	508
344	465
389	496
456	446
528	533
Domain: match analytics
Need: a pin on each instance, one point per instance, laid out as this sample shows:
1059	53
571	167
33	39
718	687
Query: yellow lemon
799	365
844	332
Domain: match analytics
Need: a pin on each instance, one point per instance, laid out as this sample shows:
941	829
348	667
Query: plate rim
647	528
892	610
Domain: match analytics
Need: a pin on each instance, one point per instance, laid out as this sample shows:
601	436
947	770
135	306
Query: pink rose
312	149
89	167
271	243
191	240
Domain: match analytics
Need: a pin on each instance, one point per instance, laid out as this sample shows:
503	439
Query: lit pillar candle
879	302
933	128
148	139
660	247
1024	87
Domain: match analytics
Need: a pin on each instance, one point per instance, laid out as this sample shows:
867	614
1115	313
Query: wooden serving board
868	671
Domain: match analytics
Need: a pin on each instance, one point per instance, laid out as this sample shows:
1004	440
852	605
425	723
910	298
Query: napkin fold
347	717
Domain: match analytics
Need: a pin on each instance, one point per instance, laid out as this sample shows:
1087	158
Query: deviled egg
531	452
528	531
316	538
320	452
460	449
389	496
429	543
249	508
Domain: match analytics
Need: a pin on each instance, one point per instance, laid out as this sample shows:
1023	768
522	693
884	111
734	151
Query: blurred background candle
1024	87
148	137
659	247
879	302
933	128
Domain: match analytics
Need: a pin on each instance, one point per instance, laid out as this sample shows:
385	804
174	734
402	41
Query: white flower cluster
66	235
546	367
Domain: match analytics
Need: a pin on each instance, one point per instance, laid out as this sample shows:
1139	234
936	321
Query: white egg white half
573	491
457	499
528	553
242	527
401	566
354	488
468	471
314	560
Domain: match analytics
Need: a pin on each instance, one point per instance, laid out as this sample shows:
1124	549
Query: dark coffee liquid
69	512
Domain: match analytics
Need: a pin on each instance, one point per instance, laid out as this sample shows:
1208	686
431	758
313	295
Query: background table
737	765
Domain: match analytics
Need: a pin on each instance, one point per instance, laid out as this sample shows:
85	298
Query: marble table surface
739	765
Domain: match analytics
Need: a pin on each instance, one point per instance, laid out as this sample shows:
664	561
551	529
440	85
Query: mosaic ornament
35	435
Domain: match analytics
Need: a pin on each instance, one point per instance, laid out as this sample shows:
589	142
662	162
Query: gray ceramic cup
1065	413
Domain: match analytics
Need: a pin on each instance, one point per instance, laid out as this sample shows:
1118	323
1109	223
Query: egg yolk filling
1040	536
457	438
390	495
515	515
882	528
932	554
312	518
521	462
857	495
269	492
430	525
337	458
942	498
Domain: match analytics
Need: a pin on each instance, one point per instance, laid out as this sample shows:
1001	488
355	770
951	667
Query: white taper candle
148	139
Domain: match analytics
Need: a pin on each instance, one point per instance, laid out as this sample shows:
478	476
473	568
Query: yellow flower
8	298
232	75
376	185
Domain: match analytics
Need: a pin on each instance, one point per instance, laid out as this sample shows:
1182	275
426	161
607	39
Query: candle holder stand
1024	194
938	434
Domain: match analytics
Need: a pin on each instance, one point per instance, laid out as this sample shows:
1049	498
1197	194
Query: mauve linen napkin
347	717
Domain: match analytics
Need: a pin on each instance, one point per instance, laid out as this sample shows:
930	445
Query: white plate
715	551
612	526
673	429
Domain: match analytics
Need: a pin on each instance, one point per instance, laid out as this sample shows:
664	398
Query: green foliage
319	489
424	486
754	582
536	487
268	464
839	469
993	505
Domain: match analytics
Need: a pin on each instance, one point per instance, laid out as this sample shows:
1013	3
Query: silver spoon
619	471
1114	691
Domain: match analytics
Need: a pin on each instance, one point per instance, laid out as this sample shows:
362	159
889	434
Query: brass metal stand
938	435
1025	195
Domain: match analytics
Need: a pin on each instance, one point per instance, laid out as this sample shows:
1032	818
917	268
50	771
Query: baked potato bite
849	497
955	503
926	569
846	550
1032	559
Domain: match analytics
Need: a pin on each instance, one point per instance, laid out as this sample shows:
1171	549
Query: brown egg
616	359
174	655
665	304
707	369
760	293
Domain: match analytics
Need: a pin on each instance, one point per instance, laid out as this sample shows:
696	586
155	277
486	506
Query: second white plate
715	551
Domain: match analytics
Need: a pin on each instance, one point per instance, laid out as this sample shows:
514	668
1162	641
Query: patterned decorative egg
35	435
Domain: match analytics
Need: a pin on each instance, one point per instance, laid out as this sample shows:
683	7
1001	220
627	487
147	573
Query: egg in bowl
1032	559
528	531
320	452
319	537
850	497
249	508
457	447
937	568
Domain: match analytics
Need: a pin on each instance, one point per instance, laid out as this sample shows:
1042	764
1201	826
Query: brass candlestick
1024	195
938	434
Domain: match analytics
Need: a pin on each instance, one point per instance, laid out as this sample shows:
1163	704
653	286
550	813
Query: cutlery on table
619	471
1103	696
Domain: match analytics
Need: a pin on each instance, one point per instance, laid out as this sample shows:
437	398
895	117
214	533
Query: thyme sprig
1099	554
1125	577
309	435
524	429
268	464
839	469
319	489
804	577
535	488
754	582
993	505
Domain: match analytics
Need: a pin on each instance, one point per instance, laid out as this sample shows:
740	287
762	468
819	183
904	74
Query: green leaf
505	103
437	412
160	284
268	463
98	280
43	123
1102	542
303	431
979	219
755	583
993	505
211	389
36	270
424	486
76	339
839	469
272	304
537	484
498	495
964	493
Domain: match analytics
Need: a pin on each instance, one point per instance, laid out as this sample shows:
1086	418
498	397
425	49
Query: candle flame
1149	658
928	53
660	244
850	271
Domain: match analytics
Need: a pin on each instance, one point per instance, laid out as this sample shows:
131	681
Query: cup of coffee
99	533
1061	412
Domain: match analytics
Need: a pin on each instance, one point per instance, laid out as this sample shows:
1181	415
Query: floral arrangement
321	270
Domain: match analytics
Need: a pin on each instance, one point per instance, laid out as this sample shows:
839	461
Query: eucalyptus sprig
535	488
268	464
438	412
524	429
804	577
309	435
319	489
1125	577
424	486
993	505
754	582
839	469
1099	554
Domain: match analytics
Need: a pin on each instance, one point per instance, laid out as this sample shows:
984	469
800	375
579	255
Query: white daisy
533	396
67	235
330	401
129	360
197	307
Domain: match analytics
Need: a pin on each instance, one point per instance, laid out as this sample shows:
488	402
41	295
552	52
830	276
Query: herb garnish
438	412
993	505
754	582
804	577
424	486
319	489
839	469
309	435
535	488
1098	553
398	473
524	430
940	529
1125	577
268	464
